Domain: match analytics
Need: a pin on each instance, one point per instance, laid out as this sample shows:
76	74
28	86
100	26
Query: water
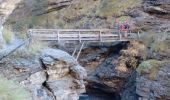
99	95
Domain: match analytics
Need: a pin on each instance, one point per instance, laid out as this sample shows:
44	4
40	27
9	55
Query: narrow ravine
100	66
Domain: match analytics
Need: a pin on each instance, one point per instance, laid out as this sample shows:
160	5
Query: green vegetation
74	16
9	90
115	7
8	35
157	42
150	67
27	52
79	8
39	6
36	46
158	45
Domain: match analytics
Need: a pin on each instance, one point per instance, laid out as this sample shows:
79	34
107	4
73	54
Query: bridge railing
92	35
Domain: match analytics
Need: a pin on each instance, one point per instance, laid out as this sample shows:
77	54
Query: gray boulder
65	75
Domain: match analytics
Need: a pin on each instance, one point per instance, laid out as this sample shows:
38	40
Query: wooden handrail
81	35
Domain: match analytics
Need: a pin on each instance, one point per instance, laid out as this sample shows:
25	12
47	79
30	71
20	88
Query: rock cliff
153	15
58	75
6	8
54	76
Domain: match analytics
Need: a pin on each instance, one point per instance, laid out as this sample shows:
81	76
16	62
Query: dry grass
78	8
29	51
150	67
8	35
158	45
115	7
36	47
12	91
157	42
72	16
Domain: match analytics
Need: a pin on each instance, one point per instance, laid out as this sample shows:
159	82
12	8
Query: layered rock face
55	76
153	15
64	75
157	89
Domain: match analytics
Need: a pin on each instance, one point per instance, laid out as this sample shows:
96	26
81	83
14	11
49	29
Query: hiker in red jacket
123	30
122	27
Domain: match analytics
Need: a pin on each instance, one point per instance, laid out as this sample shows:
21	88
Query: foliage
150	67
60	24
29	51
36	46
9	90
160	43
79	8
39	6
8	35
143	53
157	42
132	62
115	7
157	45
124	18
71	16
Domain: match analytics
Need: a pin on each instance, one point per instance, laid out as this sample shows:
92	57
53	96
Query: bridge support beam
80	51
120	36
100	36
74	51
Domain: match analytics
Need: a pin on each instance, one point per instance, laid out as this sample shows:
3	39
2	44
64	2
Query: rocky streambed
102	72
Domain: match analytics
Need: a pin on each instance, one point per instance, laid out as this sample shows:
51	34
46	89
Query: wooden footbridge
81	35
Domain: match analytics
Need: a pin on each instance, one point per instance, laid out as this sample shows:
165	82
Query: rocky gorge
135	70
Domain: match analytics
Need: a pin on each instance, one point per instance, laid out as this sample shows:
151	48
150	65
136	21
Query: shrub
8	35
9	90
116	7
147	38
159	46
150	67
156	42
39	6
36	46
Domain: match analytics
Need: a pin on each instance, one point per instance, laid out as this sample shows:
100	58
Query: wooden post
120	37
138	35
126	35
79	36
58	36
130	33
29	36
54	35
100	36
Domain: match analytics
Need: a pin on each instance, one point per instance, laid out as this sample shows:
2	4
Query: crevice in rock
103	80
45	85
49	90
